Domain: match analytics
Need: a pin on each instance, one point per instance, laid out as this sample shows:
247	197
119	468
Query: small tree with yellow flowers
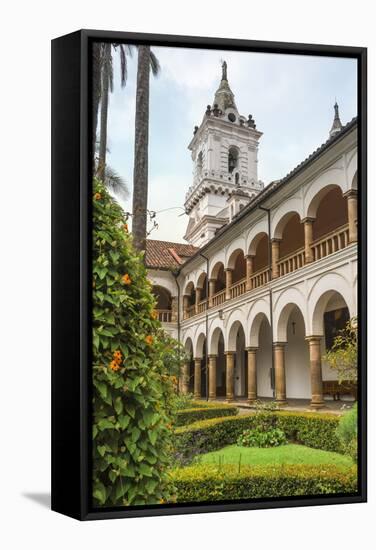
133	376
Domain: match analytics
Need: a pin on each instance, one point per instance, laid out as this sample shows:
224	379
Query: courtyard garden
222	455
153	445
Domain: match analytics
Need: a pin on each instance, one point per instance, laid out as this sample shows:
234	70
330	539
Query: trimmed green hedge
198	413
207	482
315	430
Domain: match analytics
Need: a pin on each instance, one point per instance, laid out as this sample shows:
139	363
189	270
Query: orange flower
114	366
125	227
126	279
117	357
97	196
149	340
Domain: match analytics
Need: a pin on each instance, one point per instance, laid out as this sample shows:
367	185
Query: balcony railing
291	263
201	306
219	298
191	310
330	243
237	288
260	278
164	315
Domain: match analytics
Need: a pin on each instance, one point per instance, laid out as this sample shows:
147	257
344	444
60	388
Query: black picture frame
71	265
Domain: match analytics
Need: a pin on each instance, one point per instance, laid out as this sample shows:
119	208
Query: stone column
198	298
228	283
252	375
352	214
212	283
174	309
212	377
184	386
314	343
275	258
197	378
249	271
280	374
229	375
308	239
185	306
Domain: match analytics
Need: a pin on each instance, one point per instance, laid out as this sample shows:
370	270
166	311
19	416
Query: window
232	159
199	162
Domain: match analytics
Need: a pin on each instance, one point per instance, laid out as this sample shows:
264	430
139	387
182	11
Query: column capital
351	193
279	344
313	337
252	349
308	219
229	352
229	269
250	256
197	359
212	280
275	240
212	355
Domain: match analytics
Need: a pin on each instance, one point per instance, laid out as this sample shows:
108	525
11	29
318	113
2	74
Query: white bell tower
224	152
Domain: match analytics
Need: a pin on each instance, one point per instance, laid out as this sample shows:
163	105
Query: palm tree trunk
140	172
104	112
96	93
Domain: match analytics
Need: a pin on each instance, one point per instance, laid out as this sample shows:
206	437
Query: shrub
347	432
315	430
133	378
184	401
228	482
262	438
188	416
343	356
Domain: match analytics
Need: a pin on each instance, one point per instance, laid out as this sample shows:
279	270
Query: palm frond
123	50
111	74
154	64
115	183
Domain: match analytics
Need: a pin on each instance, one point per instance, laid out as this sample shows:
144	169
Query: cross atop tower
224	70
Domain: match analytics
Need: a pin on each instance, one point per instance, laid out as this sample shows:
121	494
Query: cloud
291	98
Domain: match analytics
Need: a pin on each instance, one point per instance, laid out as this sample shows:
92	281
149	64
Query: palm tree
96	61
107	86
146	61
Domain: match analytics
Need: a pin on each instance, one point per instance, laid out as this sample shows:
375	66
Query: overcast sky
290	97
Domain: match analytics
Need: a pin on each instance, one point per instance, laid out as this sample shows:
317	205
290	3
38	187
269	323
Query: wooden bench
336	390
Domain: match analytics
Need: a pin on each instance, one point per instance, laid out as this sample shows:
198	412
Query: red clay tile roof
167	255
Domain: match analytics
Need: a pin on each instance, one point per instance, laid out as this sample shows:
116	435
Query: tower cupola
337	124
224	152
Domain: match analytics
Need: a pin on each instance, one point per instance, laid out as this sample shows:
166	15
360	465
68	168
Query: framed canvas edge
86	512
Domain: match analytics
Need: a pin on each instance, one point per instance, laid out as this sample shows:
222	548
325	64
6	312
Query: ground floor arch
298	384
243	358
264	364
187	373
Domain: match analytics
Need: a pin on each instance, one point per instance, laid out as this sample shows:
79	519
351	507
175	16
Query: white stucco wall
298	384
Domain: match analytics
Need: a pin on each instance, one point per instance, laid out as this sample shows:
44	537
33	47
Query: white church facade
270	273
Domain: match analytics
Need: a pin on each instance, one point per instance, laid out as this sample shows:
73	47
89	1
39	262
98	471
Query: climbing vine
134	378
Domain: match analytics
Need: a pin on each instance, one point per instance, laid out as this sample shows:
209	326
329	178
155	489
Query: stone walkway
302	405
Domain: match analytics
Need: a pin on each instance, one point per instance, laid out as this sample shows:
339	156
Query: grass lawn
285	454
